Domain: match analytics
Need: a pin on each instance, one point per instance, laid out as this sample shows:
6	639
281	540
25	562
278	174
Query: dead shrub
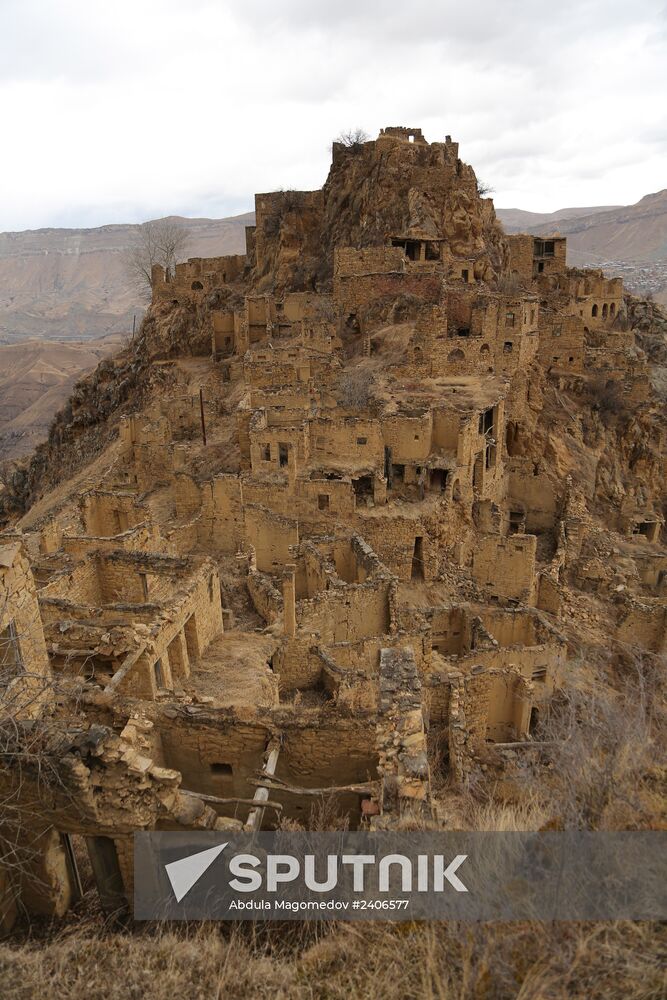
355	389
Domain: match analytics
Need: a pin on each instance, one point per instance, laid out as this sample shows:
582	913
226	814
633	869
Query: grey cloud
224	97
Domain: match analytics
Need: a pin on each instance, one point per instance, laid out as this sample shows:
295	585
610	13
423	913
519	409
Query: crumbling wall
505	567
24	663
271	536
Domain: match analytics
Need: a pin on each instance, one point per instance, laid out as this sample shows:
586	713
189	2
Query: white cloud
123	111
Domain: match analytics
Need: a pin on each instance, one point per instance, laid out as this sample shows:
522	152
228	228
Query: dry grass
395	962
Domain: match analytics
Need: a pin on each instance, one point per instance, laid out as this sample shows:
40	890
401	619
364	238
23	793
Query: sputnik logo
184	873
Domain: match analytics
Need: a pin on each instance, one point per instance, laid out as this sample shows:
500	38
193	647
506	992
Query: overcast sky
124	110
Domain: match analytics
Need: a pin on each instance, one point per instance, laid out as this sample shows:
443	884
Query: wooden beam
281	786
523	744
229	801
261	796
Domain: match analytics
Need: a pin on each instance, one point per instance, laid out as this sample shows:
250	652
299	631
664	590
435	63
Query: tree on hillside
33	739
353	138
161	242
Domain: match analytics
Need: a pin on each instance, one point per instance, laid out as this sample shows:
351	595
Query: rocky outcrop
376	191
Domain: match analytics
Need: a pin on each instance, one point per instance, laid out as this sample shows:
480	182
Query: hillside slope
518	220
36	378
631	233
70	284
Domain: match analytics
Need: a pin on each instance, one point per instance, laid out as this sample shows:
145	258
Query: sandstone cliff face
410	189
376	191
171	330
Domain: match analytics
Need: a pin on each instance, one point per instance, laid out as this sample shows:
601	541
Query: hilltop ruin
326	527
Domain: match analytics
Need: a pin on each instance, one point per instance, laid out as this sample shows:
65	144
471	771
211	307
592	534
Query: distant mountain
627	233
69	284
517	220
629	240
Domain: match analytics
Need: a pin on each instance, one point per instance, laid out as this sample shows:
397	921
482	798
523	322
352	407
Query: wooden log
522	744
229	801
261	796
281	786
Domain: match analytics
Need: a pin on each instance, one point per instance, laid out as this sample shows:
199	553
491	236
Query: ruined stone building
323	530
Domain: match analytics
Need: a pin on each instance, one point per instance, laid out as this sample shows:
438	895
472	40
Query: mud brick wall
22	646
183	538
525	660
450	630
153	463
119	581
221	522
410	438
534	492
80	586
549	594
340	494
358	292
562	342
392	537
216	759
196	276
106	514
271	536
348	440
186	495
142	538
521	255
505	566
273	492
346	614
350	262
294	438
222	339
266	598
297	663
323	754
644	625
363	655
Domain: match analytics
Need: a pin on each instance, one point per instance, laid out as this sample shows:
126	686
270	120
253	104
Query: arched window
484	349
196	286
604	311
456	355
594	310
612	309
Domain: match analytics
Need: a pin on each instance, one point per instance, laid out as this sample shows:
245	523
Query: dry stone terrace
327	558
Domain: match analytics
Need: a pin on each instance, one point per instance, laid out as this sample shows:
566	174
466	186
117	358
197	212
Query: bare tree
604	746
353	138
163	242
355	389
483	188
33	740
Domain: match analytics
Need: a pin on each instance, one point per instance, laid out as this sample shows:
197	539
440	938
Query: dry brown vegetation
605	752
619	961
